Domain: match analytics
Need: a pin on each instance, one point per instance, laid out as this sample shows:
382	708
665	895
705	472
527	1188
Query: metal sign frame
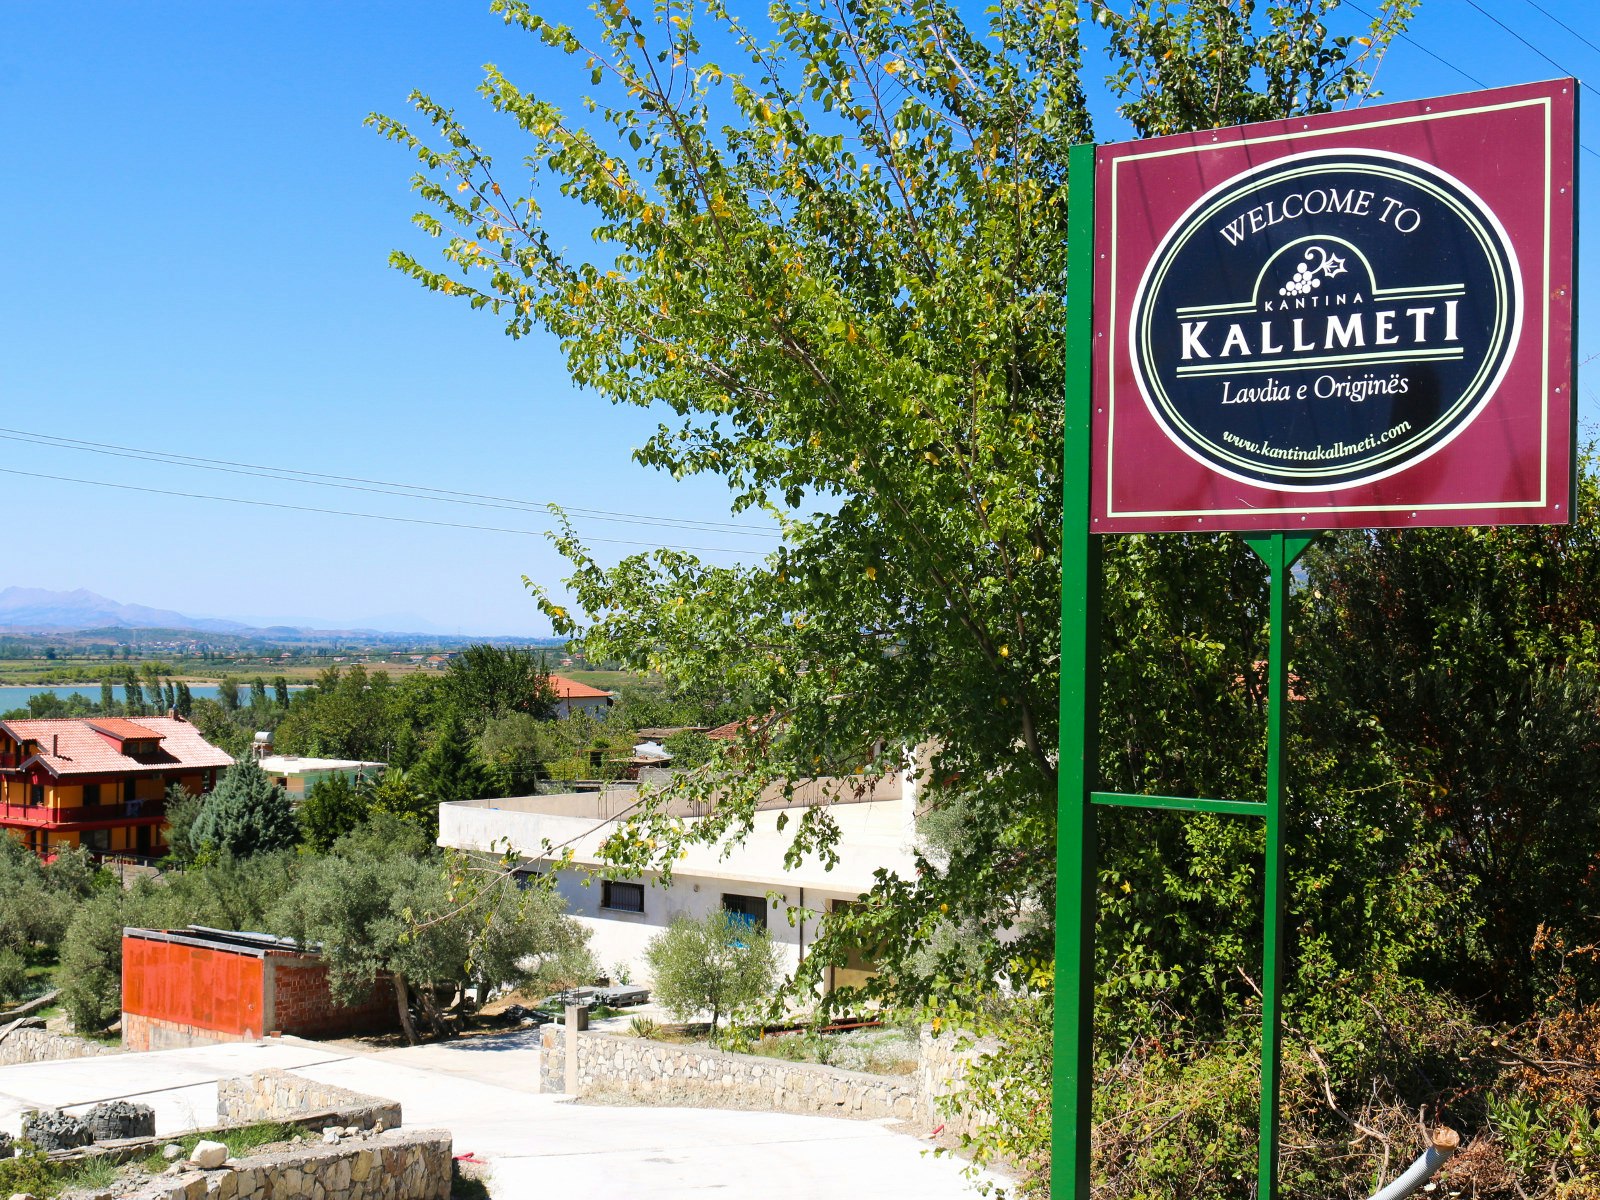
1082	579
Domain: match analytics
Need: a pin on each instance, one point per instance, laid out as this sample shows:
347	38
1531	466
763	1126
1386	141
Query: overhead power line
1468	75
378	486
339	512
1527	43
1565	26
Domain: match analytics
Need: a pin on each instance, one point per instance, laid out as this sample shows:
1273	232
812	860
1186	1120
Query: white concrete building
877	832
298	776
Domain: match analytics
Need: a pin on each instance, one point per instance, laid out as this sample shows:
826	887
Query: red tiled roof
571	689
122	729
79	750
732	730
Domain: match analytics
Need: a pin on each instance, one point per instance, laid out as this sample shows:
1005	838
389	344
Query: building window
750	909
36	794
91	793
128	791
96	841
623	897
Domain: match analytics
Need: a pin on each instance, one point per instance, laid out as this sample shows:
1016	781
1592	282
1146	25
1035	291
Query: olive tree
719	964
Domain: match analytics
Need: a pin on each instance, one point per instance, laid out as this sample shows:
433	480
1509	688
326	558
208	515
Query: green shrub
29	1172
13	976
91	963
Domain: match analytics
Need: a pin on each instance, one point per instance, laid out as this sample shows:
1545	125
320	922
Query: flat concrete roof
288	764
873	836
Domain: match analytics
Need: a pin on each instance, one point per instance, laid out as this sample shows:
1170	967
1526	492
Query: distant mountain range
38	609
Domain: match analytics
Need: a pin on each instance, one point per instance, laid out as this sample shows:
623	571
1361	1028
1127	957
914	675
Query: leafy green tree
280	691
841	263
332	809
185	700
44	705
522	937
353	714
183	809
133	693
247	813
258	695
360	910
91	961
108	698
228	692
515	748
449	770
386	834
37	900
705	702
220	727
1481	703
397	795
13	976
690	749
488	681
433	926
718	964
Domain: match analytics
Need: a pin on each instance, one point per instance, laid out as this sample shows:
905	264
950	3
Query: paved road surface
539	1146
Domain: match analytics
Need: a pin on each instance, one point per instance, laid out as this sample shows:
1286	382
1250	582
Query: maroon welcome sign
1360	319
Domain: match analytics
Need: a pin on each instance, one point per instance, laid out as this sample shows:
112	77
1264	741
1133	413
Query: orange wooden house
99	782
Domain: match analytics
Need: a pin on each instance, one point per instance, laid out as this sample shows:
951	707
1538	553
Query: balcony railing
83	814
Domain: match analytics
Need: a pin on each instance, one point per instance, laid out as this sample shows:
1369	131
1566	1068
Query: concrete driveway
538	1146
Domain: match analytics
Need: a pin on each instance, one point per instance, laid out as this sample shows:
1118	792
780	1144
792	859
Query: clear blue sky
196	227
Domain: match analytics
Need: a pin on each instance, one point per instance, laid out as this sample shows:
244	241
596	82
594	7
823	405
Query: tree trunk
431	1013
402	999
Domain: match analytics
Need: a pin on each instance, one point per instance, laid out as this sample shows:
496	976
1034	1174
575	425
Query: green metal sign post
1072	1117
1073	1055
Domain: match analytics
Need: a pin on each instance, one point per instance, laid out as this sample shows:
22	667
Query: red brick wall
301	1003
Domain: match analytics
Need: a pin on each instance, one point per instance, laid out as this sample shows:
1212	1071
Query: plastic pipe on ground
1445	1143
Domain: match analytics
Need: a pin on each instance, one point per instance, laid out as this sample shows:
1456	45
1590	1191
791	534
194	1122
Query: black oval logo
1326	320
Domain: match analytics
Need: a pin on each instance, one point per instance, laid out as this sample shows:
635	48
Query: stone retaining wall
662	1073
396	1166
281	1096
941	1076
26	1045
634	1069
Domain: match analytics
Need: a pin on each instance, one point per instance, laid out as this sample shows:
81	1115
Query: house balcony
45	816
